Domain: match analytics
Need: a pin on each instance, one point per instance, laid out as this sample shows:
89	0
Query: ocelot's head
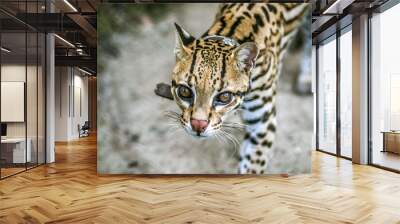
210	79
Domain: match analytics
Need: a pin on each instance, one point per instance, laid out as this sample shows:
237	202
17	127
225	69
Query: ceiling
74	22
331	15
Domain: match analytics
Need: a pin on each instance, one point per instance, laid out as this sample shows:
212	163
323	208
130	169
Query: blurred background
135	53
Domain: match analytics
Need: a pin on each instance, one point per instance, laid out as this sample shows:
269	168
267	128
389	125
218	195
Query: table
391	141
15	148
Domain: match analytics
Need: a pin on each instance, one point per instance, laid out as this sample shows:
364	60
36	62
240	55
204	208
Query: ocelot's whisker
231	138
171	114
235	124
218	137
221	137
236	146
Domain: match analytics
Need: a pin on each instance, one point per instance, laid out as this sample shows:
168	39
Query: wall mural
233	88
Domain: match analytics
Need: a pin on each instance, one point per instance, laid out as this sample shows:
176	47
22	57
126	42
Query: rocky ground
135	136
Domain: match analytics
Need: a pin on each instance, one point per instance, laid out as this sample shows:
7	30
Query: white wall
12	73
70	84
62	81
34	126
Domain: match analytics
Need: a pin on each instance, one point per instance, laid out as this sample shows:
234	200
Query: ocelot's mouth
195	134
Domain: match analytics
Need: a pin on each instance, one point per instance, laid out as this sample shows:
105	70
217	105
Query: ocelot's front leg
255	148
259	115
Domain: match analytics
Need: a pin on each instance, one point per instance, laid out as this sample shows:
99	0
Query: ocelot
236	64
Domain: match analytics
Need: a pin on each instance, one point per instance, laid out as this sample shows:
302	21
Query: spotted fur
241	53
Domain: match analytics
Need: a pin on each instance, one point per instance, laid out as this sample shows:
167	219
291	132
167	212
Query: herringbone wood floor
70	191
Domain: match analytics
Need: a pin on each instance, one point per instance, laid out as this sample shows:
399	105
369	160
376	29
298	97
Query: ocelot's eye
224	98
184	92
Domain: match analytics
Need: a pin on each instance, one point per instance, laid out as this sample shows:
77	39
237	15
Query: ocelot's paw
253	163
253	158
255	166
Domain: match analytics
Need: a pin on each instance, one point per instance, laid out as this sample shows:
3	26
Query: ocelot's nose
199	125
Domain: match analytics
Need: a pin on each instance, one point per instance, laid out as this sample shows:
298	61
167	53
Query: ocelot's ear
246	55
183	42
